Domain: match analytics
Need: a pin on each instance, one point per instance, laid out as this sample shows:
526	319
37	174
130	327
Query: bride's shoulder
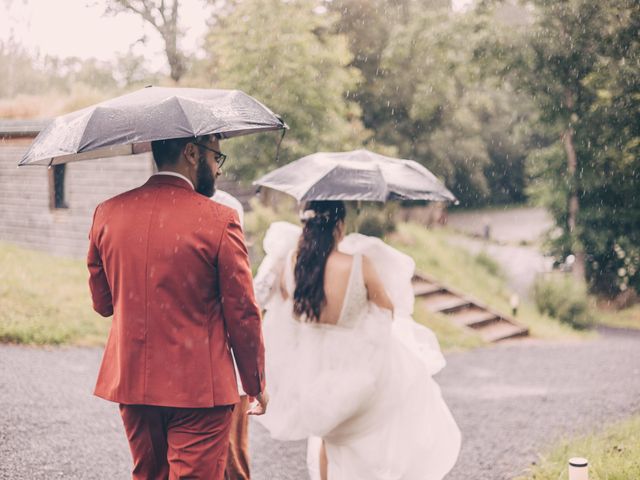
342	255
340	260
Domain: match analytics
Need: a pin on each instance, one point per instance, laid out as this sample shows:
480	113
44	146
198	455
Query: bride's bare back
336	280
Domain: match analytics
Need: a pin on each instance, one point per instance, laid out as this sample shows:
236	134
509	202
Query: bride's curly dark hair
316	243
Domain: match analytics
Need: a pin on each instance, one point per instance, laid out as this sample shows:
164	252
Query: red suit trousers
169	443
238	459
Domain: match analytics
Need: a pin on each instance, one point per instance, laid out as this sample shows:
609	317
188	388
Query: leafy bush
375	225
256	224
374	220
562	297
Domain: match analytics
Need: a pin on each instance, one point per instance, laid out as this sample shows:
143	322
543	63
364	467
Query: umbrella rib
82	142
184	114
444	192
316	183
384	181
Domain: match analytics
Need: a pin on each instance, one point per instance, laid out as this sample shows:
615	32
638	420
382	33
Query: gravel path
510	225
509	229
510	401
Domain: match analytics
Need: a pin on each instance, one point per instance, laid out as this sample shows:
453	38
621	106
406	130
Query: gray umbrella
357	175
124	125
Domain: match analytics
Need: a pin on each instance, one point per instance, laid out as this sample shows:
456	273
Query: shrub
256	224
375	220
564	298
373	225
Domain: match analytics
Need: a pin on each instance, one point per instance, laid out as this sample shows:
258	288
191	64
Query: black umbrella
357	175
124	125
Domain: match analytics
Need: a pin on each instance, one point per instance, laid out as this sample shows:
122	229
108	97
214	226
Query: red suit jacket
172	268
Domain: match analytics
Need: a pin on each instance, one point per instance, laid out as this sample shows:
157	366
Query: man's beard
205	180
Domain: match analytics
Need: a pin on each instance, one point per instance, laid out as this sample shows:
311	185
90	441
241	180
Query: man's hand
261	407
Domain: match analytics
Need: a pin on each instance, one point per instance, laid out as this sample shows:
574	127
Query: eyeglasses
220	157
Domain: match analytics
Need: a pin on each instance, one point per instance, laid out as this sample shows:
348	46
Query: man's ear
191	153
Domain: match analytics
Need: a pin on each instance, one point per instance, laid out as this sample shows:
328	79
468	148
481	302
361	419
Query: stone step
423	289
501	330
445	302
463	311
473	317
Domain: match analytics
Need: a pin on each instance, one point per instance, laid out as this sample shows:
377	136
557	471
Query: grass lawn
45	300
613	454
476	275
450	336
627	318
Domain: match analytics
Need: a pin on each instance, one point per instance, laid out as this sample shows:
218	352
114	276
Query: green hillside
45	300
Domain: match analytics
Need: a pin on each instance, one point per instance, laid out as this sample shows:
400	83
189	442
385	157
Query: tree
581	65
130	69
17	71
560	58
25	73
368	25
610	202
163	16
287	55
442	103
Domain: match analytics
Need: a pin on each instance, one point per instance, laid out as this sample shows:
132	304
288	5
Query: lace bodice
355	299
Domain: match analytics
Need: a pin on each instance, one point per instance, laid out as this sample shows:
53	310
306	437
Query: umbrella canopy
125	125
357	175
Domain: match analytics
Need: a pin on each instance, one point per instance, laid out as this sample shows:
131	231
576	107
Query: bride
348	368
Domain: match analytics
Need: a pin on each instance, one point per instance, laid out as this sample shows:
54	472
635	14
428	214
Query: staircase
465	312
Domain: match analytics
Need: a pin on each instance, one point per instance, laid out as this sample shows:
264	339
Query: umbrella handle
284	131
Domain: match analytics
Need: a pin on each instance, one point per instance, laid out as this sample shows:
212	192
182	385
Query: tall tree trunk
164	18
573	204
170	35
175	59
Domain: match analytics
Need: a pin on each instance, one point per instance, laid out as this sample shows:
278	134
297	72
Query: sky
66	28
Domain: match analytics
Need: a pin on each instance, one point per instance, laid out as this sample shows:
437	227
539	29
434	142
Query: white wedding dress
363	385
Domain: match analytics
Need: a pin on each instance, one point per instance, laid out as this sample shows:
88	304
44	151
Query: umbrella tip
281	120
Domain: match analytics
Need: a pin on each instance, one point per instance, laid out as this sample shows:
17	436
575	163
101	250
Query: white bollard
578	469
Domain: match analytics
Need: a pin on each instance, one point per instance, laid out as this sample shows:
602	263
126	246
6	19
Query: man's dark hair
166	152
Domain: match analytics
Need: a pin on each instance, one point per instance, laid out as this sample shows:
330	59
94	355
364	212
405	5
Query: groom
172	268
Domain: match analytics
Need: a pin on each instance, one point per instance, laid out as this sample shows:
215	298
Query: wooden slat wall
26	218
